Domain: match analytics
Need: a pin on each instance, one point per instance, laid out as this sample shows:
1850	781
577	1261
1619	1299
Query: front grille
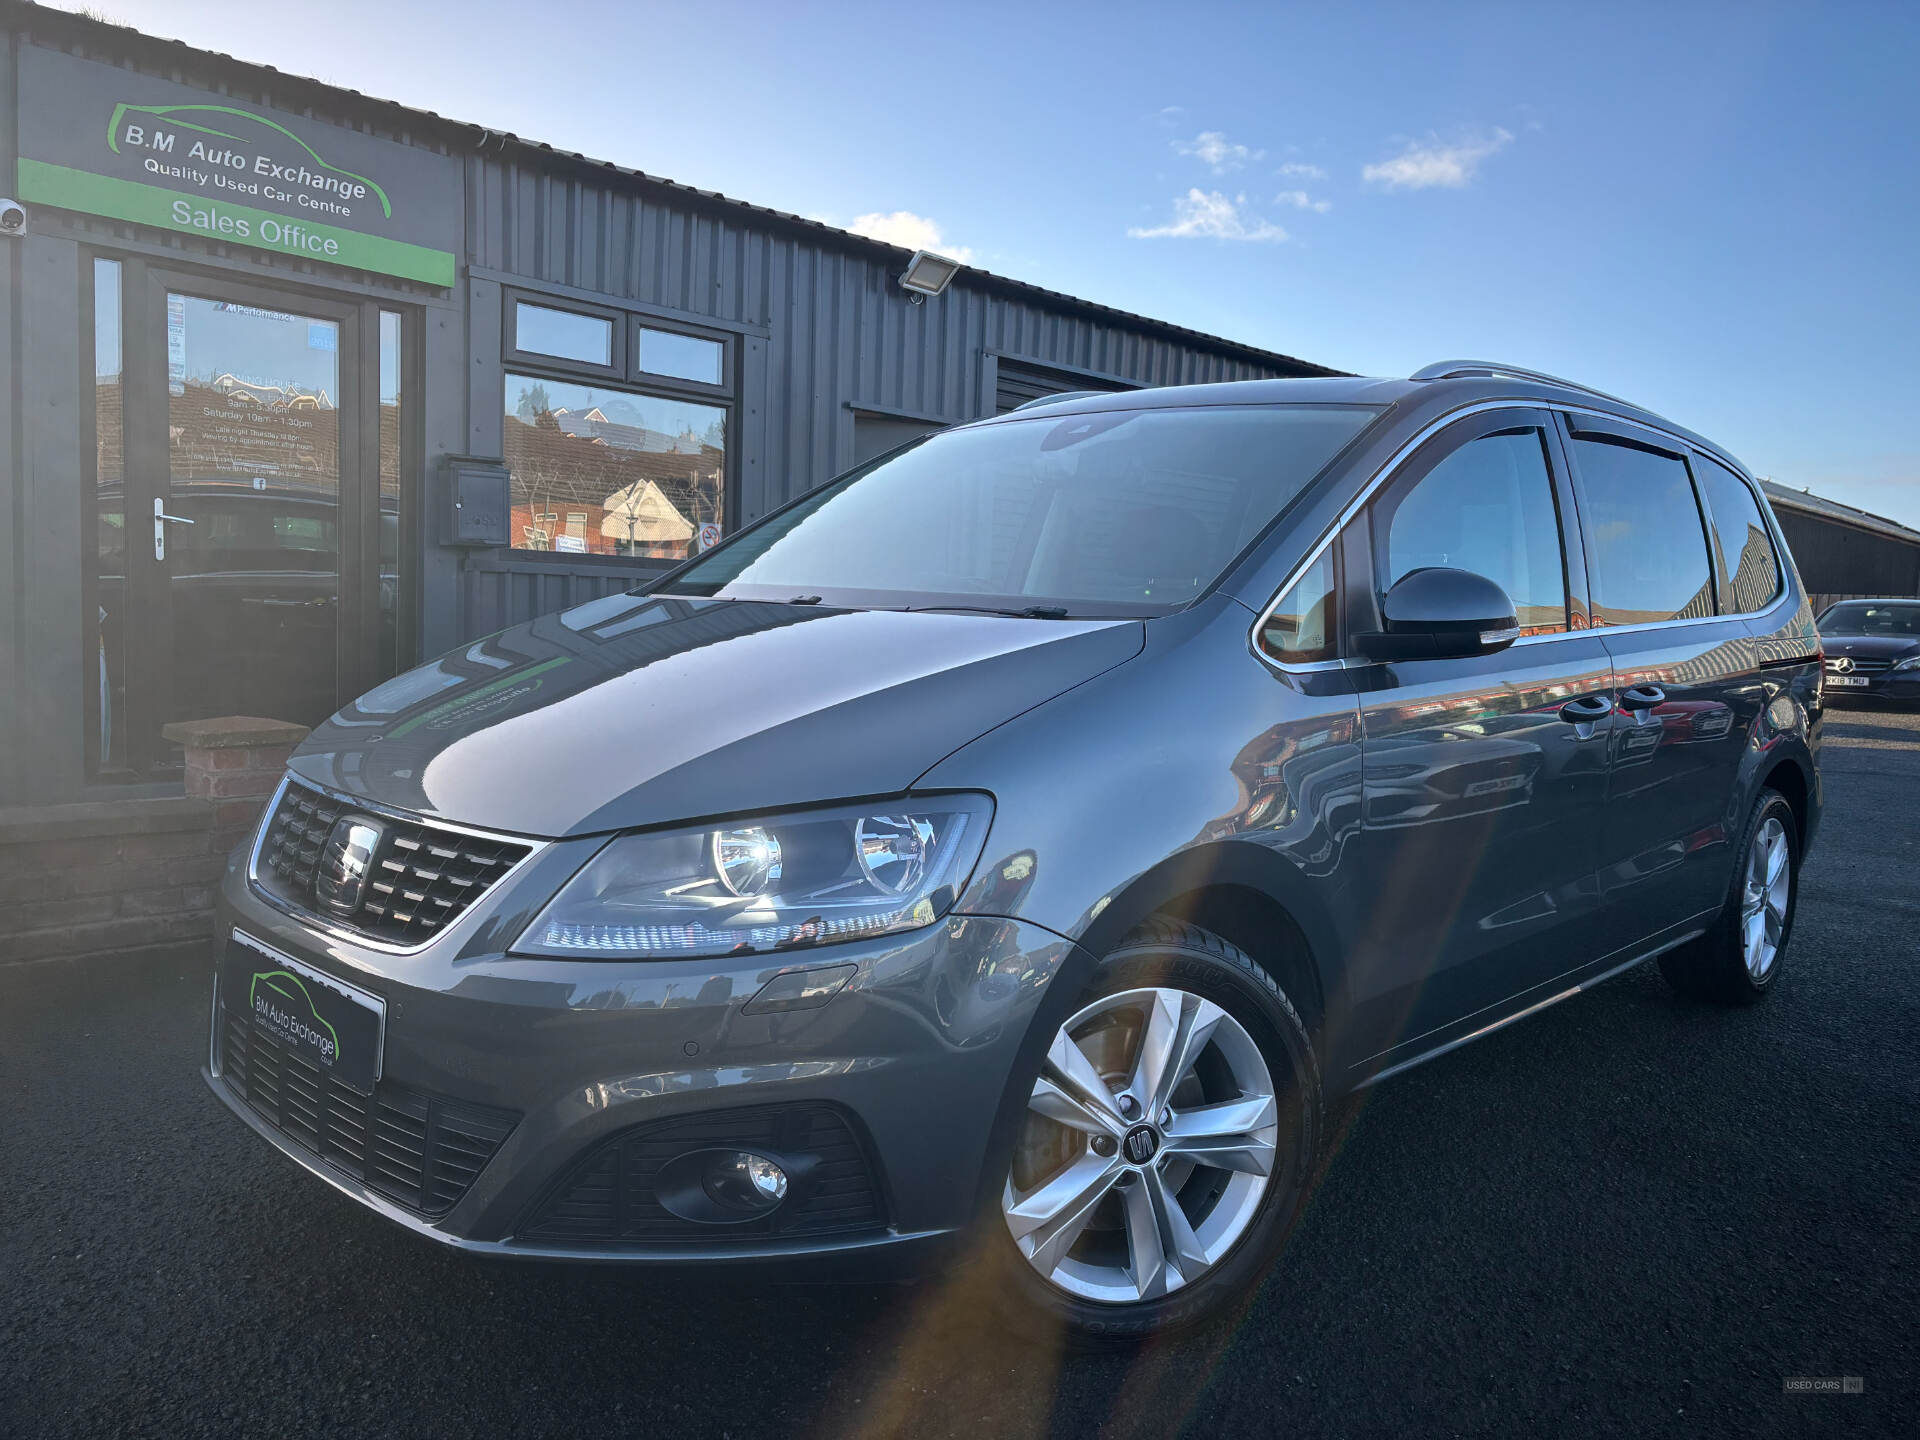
1863	665
419	1150
423	875
608	1198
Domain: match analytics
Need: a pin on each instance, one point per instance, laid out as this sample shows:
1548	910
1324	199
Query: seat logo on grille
346	864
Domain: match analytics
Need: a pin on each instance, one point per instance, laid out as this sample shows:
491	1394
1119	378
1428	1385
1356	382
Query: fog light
741	1180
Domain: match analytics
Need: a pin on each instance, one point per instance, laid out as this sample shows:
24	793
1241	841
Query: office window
680	357
1646	547
603	471
565	334
108	600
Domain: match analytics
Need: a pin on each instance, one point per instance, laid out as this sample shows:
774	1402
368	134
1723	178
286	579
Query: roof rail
1056	398
1494	370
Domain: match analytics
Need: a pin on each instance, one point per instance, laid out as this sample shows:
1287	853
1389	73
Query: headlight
1912	662
775	882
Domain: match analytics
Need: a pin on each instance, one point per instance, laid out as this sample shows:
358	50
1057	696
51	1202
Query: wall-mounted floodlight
928	274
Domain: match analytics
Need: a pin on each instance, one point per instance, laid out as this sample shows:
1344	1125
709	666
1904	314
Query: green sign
45	184
109	142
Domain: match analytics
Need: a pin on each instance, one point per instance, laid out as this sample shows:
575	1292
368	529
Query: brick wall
122	875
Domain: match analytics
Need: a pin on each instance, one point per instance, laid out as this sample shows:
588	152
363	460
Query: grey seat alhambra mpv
1007	851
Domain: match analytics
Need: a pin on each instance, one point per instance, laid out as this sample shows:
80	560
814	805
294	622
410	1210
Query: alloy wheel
1149	1144
1764	897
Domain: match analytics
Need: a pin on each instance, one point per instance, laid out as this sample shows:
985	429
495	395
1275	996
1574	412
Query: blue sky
1709	208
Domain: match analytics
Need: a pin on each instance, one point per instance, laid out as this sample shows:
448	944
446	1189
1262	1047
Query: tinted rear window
1749	569
1646	544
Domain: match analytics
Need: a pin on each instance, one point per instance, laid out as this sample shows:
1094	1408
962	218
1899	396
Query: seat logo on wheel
1140	1144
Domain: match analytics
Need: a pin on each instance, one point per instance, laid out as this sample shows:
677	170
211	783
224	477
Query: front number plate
336	1027
1846	680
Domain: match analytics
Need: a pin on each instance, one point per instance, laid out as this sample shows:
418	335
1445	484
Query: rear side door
1690	687
1483	802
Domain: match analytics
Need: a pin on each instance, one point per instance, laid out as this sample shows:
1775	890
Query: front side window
1749	569
611	472
1646	548
1488	507
1118	512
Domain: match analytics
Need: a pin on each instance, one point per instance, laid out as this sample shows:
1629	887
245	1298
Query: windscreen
1123	512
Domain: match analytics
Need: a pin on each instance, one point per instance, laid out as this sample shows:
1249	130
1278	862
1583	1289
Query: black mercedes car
1006	852
1873	650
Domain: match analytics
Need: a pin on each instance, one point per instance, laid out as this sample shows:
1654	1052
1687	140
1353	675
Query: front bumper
917	1048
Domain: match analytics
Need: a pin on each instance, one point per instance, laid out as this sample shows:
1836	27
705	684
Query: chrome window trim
357	937
1391	465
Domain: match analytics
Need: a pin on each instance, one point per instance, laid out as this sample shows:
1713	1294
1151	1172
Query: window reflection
683	357
608	472
1488	508
109	522
1747	560
1647	550
545	331
1300	629
391	372
253	443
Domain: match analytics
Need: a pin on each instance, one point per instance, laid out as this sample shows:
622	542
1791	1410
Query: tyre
1167	1148
1739	958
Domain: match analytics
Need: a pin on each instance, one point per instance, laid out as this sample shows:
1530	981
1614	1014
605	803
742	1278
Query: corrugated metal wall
839	331
1835	559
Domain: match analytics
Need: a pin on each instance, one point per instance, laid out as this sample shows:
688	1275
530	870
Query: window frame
1610	430
1354	612
513	356
1441	447
684	389
624	376
1337	559
1723	578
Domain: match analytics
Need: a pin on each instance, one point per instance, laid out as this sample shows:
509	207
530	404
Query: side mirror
1441	614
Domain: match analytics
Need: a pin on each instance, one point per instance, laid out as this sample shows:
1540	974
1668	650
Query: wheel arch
1786	776
1251	897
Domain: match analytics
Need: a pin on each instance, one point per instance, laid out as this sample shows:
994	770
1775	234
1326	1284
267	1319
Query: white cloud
1300	200
1300	170
910	232
1422	166
1216	152
1209	215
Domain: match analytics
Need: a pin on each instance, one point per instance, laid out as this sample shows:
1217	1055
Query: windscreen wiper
1030	612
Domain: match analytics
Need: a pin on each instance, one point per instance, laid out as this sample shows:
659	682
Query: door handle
1587	710
1637	702
161	519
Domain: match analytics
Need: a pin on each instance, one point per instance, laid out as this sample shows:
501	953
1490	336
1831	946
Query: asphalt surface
1630	1214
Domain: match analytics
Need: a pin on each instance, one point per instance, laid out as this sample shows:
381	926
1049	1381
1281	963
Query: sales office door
260	549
